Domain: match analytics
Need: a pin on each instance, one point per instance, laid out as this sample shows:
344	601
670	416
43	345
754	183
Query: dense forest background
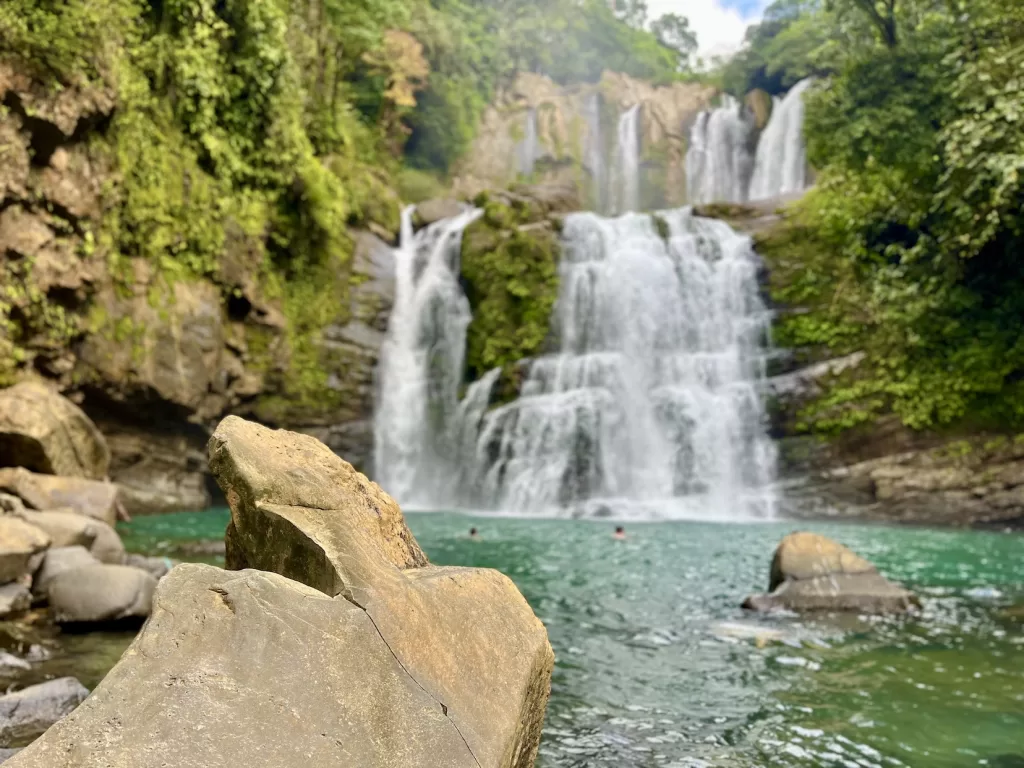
295	120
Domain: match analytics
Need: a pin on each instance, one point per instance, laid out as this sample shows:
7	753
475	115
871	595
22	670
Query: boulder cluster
331	641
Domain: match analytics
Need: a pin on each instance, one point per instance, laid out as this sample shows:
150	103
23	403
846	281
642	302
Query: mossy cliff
186	200
510	273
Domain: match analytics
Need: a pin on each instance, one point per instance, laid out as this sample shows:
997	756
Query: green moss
511	279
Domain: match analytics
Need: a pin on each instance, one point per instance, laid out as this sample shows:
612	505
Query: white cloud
719	29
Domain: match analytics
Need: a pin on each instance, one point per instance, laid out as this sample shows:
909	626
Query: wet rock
20	545
14	598
100	593
58	560
158	567
29	712
7	754
431	211
67	529
813	573
47	433
203	548
466	635
91	498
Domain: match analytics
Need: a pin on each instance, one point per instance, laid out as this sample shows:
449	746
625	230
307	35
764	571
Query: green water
647	676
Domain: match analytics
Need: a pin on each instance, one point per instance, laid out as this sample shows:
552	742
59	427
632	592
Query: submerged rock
99	593
47	433
351	650
86	497
813	573
26	714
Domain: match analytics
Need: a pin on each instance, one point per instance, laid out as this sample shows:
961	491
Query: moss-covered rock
510	274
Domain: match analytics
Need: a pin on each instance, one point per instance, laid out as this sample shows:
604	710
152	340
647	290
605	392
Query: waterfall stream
648	406
781	164
625	179
529	148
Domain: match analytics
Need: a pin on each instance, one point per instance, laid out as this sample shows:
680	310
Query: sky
719	24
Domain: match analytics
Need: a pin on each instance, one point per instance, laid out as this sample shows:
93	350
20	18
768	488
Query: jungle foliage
909	248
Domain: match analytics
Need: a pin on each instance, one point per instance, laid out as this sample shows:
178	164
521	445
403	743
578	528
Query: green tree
673	31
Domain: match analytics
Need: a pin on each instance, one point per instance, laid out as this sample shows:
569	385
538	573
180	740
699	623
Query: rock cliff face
155	355
539	130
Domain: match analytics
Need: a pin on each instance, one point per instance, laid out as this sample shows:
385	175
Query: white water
416	428
651	408
624	192
594	154
719	161
529	147
781	164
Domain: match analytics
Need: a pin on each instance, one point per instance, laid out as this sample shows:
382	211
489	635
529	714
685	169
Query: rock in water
432	211
353	652
14	598
68	529
58	560
86	497
98	593
29	712
814	573
47	433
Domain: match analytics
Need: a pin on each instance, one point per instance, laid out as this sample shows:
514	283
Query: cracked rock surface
336	644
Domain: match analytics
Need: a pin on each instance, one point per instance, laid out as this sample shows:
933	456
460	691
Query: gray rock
26	714
58	560
7	754
100	593
157	566
14	598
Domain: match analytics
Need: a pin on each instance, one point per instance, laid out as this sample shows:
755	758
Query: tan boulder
20	545
91	498
813	573
760	104
431	211
47	433
467	636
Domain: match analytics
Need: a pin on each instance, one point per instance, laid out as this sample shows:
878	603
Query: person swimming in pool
620	533
474	534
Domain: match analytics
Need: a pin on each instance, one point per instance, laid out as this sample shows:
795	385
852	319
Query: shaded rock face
357	653
811	573
569	140
44	432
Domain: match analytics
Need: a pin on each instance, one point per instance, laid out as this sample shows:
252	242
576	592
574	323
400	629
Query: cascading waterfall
529	147
417	424
719	162
651	407
625	180
594	153
780	167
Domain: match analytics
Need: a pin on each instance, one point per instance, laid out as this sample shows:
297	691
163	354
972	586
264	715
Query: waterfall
417	424
719	162
651	407
625	182
781	164
594	153
529	147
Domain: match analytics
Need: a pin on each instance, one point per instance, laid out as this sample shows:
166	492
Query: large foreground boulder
99	593
813	573
47	433
346	649
28	712
86	497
